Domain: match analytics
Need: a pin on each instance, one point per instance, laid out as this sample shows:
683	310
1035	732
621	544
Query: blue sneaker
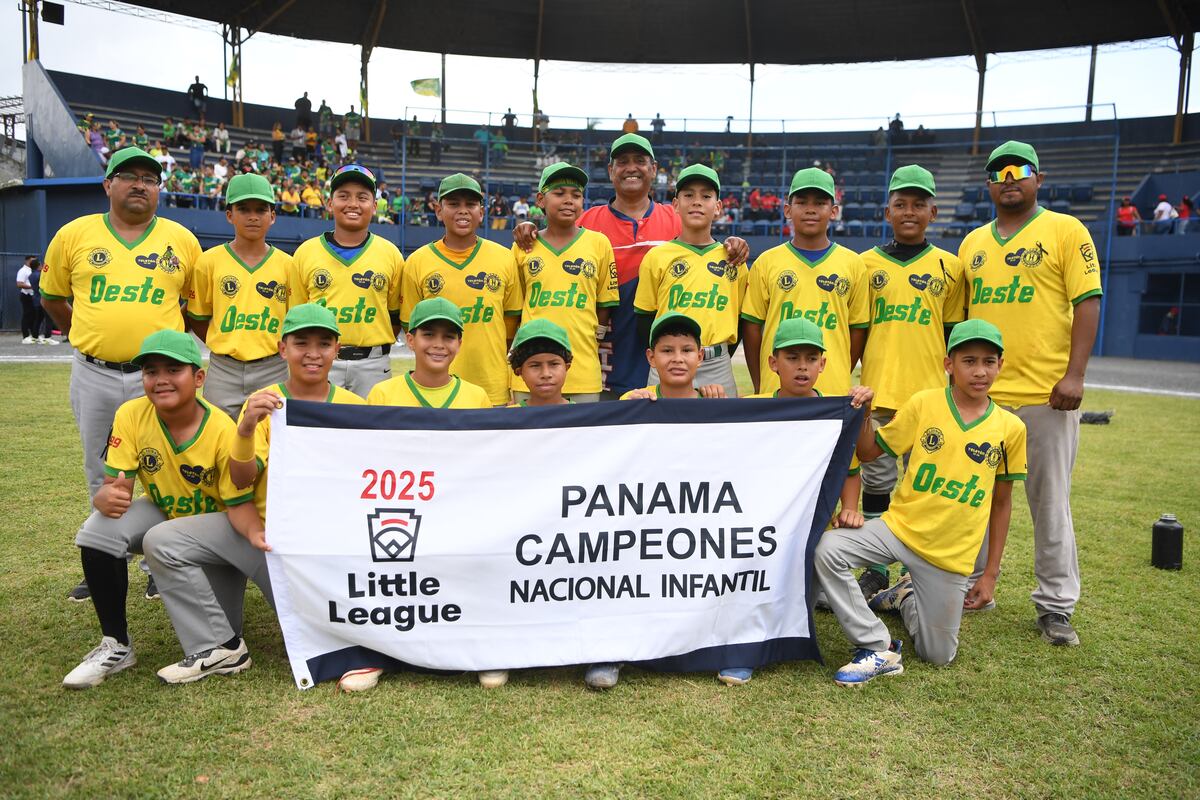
602	676
891	598
868	664
735	676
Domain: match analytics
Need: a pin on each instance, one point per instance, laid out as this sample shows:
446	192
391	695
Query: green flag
428	87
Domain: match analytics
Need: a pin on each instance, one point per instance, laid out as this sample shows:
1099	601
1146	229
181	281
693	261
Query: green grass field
1012	717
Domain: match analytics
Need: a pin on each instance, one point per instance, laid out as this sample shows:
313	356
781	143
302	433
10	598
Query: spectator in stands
278	137
168	131
140	139
352	124
325	120
733	206
1128	218
303	111
770	206
163	156
481	138
221	169
25	295
310	143
296	137
413	145
879	138
198	95
327	153
196	137
657	124
1169	326
1164	215
754	205
510	125
717	159
662	184
211	187
183	133
896	131
923	136
520	210
430	208
435	143
1186	210
498	210
85	124
96	142
341	144
499	147
630	125
220	138
112	135
312	198
262	157
537	215
396	208
289	199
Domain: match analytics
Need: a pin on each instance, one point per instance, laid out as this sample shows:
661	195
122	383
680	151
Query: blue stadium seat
971	194
964	211
428	184
983	211
849	194
852	211
745	228
762	227
1061	206
872	211
871	194
1045	193
1081	193
854	227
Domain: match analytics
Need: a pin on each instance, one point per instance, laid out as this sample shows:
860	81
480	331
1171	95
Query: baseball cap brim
562	173
181	348
532	332
974	330
459	183
698	172
1013	150
128	156
434	311
310	316
674	317
631	141
782	342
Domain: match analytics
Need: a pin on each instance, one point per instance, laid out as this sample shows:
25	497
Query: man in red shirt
633	223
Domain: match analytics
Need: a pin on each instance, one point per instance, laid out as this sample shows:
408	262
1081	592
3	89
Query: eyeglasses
145	180
1018	172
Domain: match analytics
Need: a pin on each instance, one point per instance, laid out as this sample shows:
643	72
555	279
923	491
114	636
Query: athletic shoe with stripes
360	680
214	661
81	593
109	657
890	599
868	664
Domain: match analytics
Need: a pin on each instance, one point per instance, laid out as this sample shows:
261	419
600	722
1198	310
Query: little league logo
678	268
322	280
392	533
534	265
99	257
230	286
150	460
786	280
879	279
434	283
978	260
932	440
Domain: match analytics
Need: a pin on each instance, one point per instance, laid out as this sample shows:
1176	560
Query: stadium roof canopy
707	31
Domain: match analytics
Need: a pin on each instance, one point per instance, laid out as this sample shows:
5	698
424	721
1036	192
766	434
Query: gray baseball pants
230	381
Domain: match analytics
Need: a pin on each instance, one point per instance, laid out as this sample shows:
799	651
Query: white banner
671	532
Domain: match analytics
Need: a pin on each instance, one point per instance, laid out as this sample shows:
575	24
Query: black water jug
1166	544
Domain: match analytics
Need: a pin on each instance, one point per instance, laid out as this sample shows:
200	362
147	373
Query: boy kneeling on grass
966	452
798	358
203	562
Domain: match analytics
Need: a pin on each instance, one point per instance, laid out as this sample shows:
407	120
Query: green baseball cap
1014	149
175	345
913	176
435	308
698	172
352	172
797	331
248	187
973	330
458	182
310	315
542	329
630	141
135	154
561	173
812	178
675	317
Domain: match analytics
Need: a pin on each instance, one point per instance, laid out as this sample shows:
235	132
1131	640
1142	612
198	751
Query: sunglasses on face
1017	172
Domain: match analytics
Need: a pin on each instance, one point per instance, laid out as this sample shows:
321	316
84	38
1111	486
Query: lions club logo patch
978	260
322	280
932	440
434	284
99	257
534	265
150	460
879	279
230	286
678	268
786	280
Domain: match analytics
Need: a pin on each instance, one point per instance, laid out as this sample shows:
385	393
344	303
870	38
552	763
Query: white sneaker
109	657
28	340
360	680
214	661
869	664
493	678
48	340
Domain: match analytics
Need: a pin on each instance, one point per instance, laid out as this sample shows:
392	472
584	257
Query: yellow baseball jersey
697	281
262	441
657	389
362	292
484	284
244	304
566	287
402	390
911	303
855	467
831	292
1028	286
120	292
182	479
942	506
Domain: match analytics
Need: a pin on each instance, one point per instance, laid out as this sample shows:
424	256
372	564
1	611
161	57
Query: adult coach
109	281
1035	275
633	223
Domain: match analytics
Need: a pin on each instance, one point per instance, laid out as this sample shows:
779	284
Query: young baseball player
110	280
541	357
356	275
242	285
811	277
675	355
477	275
966	453
178	445
435	335
692	274
570	278
917	293
204	562
798	357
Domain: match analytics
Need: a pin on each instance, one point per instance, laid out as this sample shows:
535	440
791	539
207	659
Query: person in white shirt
221	169
1164	215
339	142
220	138
521	209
